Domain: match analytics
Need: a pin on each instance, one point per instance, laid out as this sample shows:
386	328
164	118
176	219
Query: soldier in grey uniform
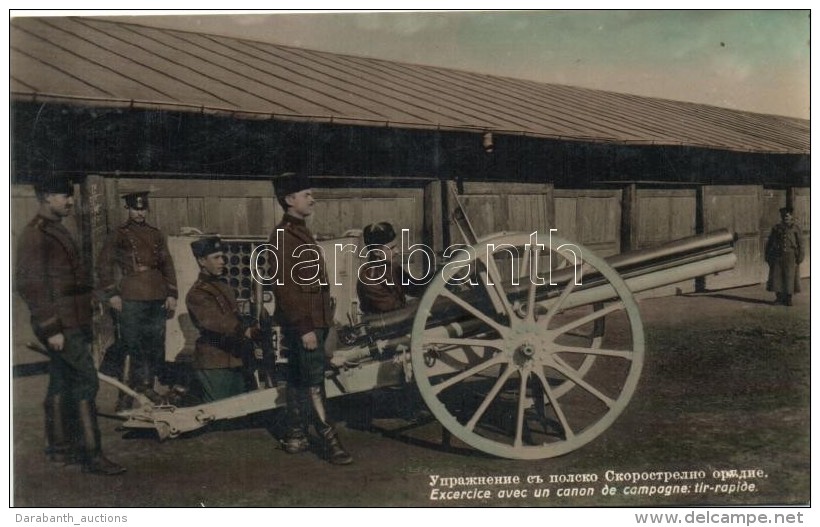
137	278
56	286
785	251
304	311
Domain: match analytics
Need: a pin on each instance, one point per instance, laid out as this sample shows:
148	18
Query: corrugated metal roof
95	62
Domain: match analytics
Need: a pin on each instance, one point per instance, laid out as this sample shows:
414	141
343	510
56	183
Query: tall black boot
58	441
787	299
94	461
142	377
296	440
335	451
144	384
148	391
72	427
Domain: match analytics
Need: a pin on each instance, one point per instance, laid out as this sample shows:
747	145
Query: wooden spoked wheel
526	370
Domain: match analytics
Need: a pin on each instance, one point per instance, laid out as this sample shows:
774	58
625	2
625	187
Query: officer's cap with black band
207	246
136	200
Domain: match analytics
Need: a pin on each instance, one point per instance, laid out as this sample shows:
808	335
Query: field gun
519	349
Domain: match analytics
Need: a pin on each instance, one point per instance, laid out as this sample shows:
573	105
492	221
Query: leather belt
313	288
228	343
76	291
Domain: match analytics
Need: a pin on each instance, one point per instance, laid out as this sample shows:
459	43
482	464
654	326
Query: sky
755	60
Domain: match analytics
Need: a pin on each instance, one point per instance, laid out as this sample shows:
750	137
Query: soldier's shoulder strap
216	292
300	232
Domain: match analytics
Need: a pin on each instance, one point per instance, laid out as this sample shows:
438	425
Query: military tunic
219	349
303	301
139	252
55	285
380	295
136	265
784	251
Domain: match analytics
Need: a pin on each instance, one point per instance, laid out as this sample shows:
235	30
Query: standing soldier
145	294
303	309
784	253
223	333
56	287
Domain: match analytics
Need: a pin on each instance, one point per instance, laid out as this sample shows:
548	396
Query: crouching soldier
223	332
57	289
383	283
304	312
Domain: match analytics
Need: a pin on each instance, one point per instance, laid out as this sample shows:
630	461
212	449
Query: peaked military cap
54	185
207	246
379	234
136	200
290	183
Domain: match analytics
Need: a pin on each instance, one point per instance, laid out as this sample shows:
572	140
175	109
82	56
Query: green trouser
72	381
142	330
306	398
220	383
305	367
72	373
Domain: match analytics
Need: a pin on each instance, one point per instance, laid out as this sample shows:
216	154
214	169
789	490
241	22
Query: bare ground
726	386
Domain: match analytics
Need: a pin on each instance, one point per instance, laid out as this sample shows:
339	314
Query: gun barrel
642	270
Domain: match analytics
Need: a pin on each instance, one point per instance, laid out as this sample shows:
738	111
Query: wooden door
802	214
664	215
737	208
496	207
591	218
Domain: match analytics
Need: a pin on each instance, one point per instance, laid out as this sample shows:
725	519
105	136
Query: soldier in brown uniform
785	251
56	287
218	356
137	278
383	284
303	309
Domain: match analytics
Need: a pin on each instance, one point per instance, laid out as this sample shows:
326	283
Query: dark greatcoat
785	251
